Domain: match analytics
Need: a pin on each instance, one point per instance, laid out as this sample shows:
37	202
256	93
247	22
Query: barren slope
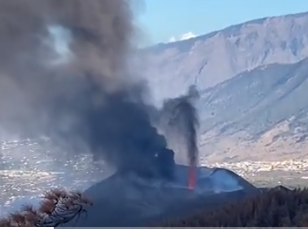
218	56
263	112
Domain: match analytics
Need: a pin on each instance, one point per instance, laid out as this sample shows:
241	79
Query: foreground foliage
56	208
278	207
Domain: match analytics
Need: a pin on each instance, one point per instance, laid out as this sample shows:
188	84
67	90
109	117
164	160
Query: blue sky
163	19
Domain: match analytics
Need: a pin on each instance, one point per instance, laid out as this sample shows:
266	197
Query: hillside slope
263	111
213	58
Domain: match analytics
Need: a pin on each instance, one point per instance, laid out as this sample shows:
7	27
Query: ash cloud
82	92
180	122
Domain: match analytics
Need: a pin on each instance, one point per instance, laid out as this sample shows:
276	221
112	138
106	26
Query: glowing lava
191	177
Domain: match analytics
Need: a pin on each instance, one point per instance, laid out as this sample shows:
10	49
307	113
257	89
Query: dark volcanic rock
126	200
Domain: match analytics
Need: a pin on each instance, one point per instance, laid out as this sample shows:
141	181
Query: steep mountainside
253	79
263	112
219	56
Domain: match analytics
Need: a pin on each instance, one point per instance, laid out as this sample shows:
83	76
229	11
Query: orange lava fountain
192	177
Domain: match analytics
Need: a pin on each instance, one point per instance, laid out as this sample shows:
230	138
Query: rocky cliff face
213	58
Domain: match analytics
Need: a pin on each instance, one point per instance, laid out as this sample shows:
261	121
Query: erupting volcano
179	121
66	73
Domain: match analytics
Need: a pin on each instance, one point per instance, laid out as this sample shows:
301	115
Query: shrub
56	208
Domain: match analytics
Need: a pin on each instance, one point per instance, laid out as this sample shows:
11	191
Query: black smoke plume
83	91
180	123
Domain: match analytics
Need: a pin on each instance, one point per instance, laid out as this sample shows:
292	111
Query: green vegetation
276	207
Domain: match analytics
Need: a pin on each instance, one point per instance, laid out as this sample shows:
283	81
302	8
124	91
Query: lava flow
192	177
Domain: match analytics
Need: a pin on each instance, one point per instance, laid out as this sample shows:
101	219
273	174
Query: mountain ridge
279	39
252	78
227	28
